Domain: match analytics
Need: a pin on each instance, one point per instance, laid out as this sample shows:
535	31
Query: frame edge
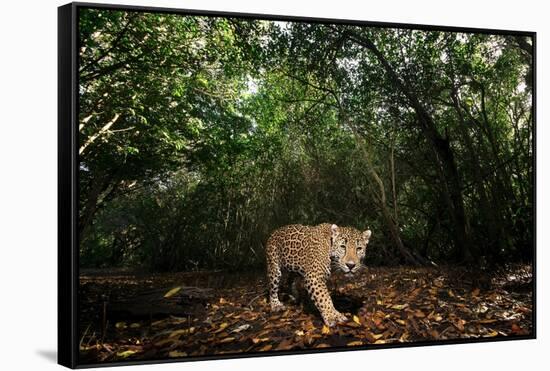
66	305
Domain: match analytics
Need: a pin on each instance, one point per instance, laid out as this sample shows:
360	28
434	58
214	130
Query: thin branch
101	132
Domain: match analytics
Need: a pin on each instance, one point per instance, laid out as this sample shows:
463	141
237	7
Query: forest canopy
198	136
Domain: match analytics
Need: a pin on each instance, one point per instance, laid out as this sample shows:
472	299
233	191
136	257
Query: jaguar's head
348	247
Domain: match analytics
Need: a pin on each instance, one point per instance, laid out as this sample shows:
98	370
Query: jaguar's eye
343	246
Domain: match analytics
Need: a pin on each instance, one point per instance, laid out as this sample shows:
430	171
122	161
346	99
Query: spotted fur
309	251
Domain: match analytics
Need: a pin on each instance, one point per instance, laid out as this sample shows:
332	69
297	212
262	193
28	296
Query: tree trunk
393	188
101	188
380	199
440	147
487	212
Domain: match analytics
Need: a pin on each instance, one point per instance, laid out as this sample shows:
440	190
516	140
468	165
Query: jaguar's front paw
334	318
340	317
277	306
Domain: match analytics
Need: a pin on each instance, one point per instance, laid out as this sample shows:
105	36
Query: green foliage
200	135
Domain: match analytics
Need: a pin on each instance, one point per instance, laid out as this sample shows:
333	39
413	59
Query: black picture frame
68	164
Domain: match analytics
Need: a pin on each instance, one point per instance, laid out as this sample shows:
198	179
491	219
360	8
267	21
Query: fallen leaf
177	353
491	334
459	324
524	310
227	340
399	306
163	342
172	292
354	343
518	330
322	345
285	345
221	328
419	314
126	353
352	324
325	330
177	333
265	348
244	327
259	340
485	321
356	320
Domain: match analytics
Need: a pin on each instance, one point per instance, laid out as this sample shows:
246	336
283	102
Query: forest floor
137	316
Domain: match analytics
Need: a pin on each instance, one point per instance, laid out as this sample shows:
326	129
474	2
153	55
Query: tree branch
101	132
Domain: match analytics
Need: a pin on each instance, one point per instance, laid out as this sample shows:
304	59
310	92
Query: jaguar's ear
334	231
366	235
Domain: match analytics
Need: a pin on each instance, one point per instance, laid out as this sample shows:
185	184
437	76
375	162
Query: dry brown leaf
285	345
325	330
459	324
418	313
259	340
322	345
354	343
352	324
227	340
486	321
265	348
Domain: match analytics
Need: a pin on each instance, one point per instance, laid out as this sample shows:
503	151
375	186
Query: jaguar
310	251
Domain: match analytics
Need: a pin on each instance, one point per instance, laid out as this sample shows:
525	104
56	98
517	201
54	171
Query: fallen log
176	301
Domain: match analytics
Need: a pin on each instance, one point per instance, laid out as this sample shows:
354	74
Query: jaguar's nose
350	265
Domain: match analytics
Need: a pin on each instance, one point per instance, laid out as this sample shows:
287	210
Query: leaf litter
383	305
